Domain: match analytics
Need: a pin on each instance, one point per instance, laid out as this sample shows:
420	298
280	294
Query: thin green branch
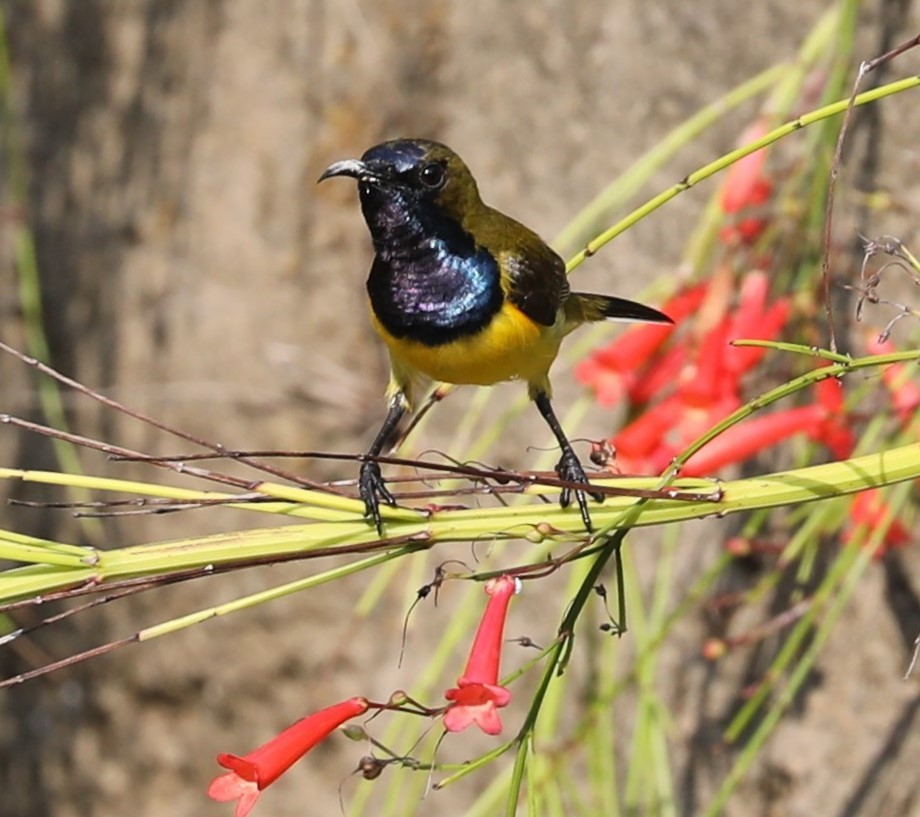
709	170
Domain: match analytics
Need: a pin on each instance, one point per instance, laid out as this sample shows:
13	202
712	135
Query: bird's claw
569	469
372	489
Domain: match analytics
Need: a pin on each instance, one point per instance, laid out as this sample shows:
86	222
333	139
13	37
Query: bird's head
410	181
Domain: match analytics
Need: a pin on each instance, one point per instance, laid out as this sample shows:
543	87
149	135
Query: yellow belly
511	347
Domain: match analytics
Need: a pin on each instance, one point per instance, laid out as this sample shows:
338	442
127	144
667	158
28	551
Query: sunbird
461	293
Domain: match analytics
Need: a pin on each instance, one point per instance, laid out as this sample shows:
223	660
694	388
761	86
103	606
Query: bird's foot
372	489
569	469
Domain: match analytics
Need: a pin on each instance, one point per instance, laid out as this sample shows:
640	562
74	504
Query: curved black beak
354	168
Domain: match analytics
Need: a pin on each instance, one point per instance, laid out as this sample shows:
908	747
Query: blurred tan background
192	269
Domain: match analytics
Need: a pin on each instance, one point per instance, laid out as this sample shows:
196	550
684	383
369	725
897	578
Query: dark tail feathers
581	307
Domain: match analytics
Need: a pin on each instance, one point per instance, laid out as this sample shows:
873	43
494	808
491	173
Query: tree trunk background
191	269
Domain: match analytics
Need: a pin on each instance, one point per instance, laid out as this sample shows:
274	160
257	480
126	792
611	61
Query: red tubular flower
742	359
743	441
706	382
746	187
252	773
478	696
870	509
835	430
754	320
905	393
614	370
823	421
644	434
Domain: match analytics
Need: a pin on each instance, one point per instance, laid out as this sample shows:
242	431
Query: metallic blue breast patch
436	296
446	290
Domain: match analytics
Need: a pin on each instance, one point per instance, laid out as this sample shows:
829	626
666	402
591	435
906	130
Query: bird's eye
432	176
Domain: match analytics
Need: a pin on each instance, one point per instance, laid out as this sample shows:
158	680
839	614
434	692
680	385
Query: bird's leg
569	467
371	486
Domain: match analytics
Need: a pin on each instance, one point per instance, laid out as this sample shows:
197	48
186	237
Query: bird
462	293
